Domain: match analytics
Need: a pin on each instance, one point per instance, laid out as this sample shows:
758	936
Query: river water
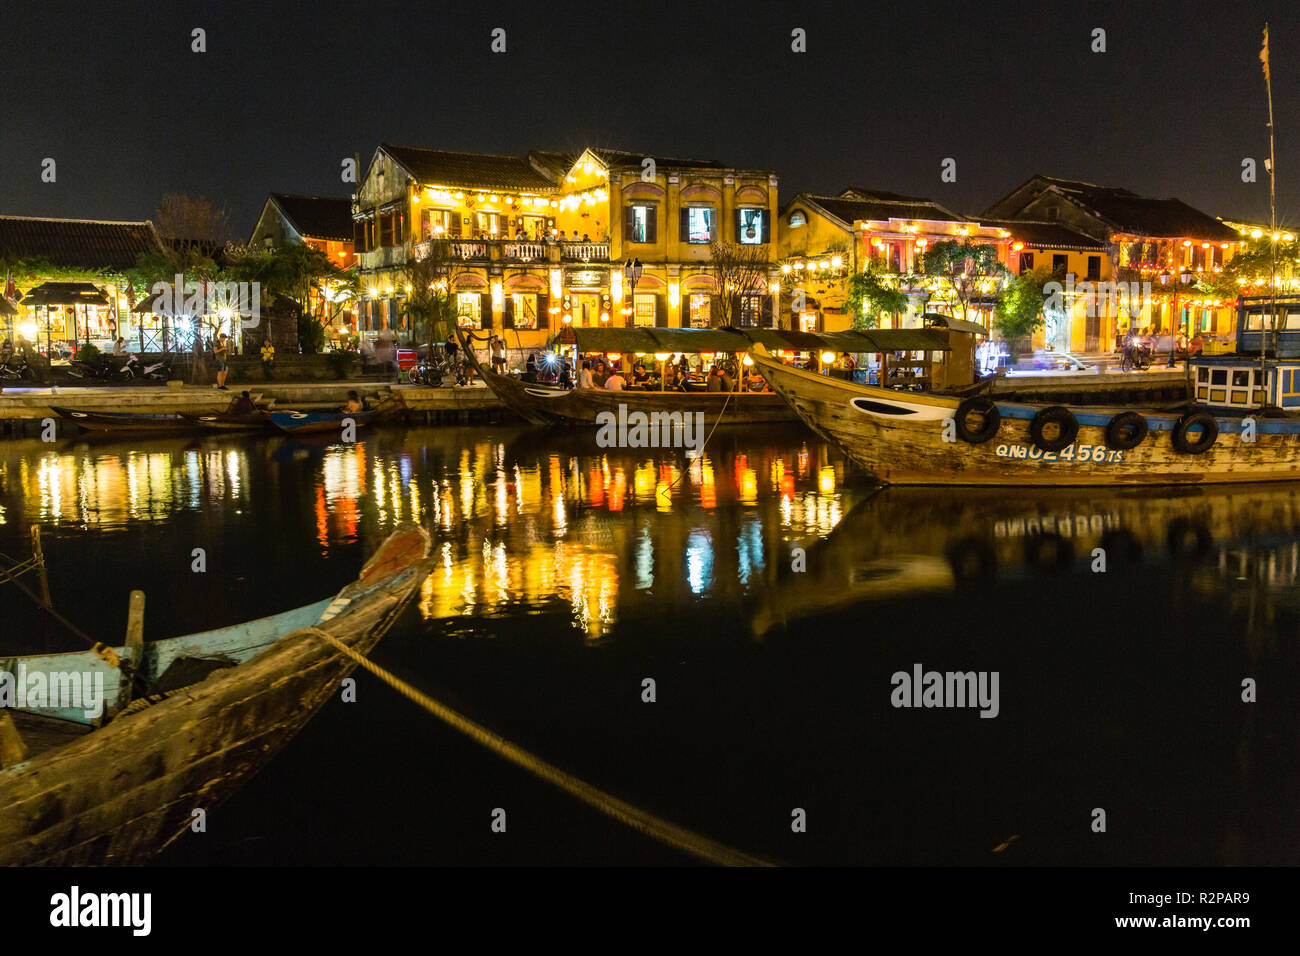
768	591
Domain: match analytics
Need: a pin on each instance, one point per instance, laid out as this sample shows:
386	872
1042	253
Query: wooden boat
543	404
124	421
119	794
923	439
309	423
229	421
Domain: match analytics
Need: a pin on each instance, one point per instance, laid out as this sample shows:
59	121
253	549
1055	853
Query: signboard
586	278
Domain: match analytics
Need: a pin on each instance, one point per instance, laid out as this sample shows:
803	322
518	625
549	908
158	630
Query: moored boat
119	794
917	438
315	423
229	421
124	421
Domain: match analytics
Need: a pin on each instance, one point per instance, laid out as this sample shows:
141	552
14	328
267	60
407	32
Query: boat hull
906	444
316	423
120	794
544	405
124	421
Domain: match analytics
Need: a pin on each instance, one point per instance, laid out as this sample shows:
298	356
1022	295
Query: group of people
1159	343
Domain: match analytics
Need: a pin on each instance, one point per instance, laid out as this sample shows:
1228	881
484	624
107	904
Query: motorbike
133	369
14	368
101	369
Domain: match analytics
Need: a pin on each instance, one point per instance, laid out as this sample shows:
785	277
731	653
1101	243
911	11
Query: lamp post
631	273
1184	277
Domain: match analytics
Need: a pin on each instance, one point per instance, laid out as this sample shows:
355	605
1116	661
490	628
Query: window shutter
485	310
685	234
629	224
651	223
543	310
661	313
508	316
736	318
359	235
766	315
767	226
454	228
739	226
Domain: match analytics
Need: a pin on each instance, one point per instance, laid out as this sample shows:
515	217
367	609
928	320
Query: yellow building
1158	250
823	239
530	244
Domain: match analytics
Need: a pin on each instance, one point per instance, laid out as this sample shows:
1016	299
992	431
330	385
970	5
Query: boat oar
670	834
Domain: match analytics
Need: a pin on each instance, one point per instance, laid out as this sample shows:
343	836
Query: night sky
113	93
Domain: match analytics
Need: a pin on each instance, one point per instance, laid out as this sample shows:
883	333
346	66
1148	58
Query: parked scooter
158	371
15	368
101	369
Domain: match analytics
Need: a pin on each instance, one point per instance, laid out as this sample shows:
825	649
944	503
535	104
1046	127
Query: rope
722	411
668	833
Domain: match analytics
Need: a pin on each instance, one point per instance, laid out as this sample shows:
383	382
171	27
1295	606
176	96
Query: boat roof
730	339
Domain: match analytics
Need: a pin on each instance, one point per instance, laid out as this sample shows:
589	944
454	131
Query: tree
1247	273
430	303
192	225
961	266
739	269
1019	310
291	272
869	296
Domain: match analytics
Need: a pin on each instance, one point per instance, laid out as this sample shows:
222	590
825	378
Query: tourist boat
119	794
1244	432
124	421
545	404
315	423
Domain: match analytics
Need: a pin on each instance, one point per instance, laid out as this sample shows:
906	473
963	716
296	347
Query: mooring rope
668	833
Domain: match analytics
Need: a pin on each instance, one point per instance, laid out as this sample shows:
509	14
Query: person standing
220	351
584	376
268	359
498	347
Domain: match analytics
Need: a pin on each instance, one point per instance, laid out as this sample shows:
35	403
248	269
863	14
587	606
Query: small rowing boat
315	423
119	794
229	421
123	421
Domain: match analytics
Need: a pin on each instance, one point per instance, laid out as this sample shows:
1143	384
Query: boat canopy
728	339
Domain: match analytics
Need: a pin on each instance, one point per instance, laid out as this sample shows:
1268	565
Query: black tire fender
992	420
1210	433
1116	427
1065	421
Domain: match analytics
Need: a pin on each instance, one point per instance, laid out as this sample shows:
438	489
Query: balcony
517	250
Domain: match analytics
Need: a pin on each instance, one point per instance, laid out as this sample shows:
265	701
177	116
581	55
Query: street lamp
631	273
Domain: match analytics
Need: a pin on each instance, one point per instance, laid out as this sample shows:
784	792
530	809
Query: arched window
797	218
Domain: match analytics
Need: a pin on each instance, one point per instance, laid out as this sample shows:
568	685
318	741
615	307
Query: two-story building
528	245
1157	249
824	239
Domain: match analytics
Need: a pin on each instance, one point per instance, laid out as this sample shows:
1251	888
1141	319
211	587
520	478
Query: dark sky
885	92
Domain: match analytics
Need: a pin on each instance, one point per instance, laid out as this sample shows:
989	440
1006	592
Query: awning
957	325
657	339
65	293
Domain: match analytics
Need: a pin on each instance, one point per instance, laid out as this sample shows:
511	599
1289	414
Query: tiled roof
621	157
76	243
552	163
317	217
1125	211
65	293
469	170
850	211
1044	234
876	195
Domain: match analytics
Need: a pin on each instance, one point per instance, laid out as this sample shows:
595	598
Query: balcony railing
585	251
518	250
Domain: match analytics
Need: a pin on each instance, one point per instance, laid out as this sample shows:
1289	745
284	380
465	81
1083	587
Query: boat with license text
92	421
1242	426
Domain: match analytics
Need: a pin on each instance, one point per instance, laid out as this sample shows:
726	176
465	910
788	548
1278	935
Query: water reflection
522	519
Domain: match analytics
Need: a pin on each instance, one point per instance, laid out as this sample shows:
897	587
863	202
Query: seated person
639	375
353	405
715	379
243	405
615	382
